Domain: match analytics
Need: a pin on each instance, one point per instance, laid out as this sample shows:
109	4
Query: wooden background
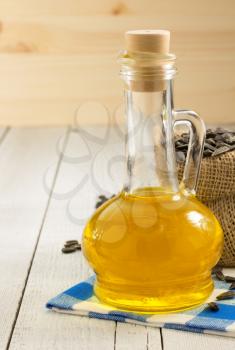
55	55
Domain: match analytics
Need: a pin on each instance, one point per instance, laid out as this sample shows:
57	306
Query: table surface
50	179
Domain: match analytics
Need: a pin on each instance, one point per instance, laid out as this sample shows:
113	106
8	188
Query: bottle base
167	301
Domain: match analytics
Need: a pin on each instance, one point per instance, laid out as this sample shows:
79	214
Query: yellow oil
153	251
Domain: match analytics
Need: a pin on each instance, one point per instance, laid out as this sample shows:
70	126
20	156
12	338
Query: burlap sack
216	189
224	210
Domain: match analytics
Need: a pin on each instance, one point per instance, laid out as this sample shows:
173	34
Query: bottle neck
150	142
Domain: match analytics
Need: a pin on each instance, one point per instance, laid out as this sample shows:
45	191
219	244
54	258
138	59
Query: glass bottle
153	245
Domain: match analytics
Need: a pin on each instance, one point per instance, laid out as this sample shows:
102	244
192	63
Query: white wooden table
41	206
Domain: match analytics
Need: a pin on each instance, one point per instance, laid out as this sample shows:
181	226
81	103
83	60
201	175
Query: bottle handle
197	133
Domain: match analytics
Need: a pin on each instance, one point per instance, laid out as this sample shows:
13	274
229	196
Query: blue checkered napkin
80	300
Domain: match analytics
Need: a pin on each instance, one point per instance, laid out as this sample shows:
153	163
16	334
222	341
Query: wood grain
115	7
104	34
56	55
48	90
178	340
53	272
137	337
3	133
24	157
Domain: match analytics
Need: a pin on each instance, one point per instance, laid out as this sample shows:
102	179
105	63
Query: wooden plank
131	335
3	133
53	272
50	64
104	34
72	7
154	341
137	337
54	87
177	340
25	155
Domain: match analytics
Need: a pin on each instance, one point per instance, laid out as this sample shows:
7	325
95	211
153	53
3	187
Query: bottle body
153	246
153	251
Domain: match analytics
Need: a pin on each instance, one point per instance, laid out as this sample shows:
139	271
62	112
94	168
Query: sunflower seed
213	306
232	147
220	131
211	142
229	279
217	268
185	138
232	140
180	156
208	146
75	245
221	143
72	241
210	133
103	197
102	200
226	295
178	143
99	203
220	275
232	286
219	138
228	138
68	250
220	151
182	146
207	152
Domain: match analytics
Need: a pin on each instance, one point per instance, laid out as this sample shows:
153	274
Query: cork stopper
148	41
157	41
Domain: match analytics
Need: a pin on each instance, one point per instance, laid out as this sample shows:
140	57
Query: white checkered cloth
80	300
